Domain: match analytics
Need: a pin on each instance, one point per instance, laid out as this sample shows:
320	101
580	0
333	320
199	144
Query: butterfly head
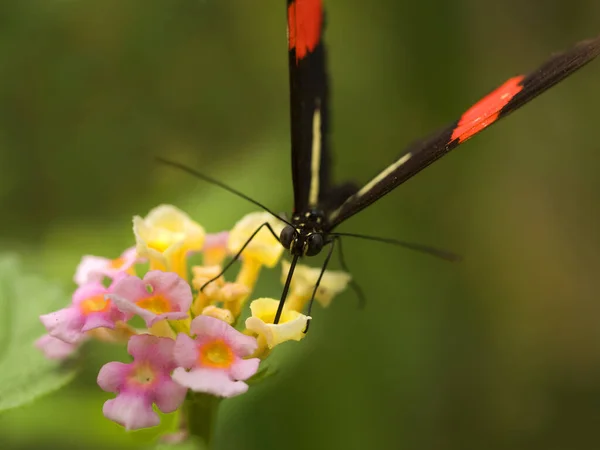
305	237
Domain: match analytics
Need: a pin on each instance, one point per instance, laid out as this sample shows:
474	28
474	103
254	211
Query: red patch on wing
305	19
486	111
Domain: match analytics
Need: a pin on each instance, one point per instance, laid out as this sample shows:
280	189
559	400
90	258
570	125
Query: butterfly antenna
216	182
442	254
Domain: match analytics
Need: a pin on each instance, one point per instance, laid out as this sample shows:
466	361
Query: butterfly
320	206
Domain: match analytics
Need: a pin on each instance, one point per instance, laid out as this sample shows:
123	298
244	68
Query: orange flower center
117	263
157	304
94	304
216	354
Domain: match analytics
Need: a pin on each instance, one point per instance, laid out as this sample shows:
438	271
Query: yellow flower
291	325
232	295
304	281
165	236
263	250
219	313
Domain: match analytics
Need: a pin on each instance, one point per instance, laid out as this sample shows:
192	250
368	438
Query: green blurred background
501	351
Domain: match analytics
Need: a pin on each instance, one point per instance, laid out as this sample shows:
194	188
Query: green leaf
24	372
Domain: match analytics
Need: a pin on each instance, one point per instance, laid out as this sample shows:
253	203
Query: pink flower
95	268
160	295
216	240
54	348
89	309
215	248
145	381
215	358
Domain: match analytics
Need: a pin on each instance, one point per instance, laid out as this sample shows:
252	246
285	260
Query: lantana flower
263	250
231	295
158	296
90	309
214	361
304	281
95	268
215	248
219	313
291	326
145	381
173	354
165	236
54	348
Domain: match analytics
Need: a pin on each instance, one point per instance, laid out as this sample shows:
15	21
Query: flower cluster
190	340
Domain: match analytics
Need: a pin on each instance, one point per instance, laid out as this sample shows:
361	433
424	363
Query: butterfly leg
239	253
325	263
362	300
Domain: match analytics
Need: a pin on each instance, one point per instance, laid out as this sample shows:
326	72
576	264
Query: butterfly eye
287	236
314	244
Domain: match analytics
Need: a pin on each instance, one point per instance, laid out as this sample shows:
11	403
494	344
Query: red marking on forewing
485	112
305	18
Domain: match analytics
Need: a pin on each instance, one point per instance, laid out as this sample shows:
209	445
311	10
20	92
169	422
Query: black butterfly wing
309	106
513	94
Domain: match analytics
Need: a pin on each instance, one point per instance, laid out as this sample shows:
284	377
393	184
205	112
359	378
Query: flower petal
158	350
54	348
112	375
149	317
305	279
210	381
97	321
243	369
215	248
130	288
208	327
131	411
95	268
219	313
185	351
128	258
90	269
64	324
291	326
242	344
264	247
282	332
175	220
171	286
216	240
169	396
88	290
165	235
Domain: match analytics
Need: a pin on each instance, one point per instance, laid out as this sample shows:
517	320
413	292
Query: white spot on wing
371	184
315	160
367	187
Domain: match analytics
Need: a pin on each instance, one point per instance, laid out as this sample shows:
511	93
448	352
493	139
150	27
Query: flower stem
202	412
